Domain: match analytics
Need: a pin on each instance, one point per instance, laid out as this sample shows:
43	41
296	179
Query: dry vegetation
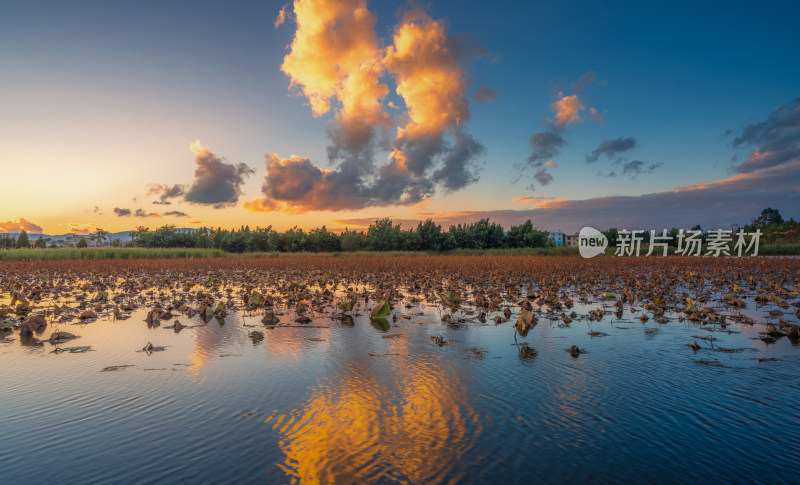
499	288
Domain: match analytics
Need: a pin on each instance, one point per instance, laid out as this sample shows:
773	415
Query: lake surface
359	404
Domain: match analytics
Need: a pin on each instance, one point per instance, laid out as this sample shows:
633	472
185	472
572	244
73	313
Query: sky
639	115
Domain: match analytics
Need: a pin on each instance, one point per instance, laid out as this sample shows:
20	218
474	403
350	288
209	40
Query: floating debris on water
246	414
115	368
150	348
476	352
575	351
72	350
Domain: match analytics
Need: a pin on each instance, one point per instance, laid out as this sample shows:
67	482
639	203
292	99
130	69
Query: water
348	405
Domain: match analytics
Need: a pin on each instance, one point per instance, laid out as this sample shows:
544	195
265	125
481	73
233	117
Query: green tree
292	240
384	236
22	240
99	236
7	242
350	240
486	235
139	232
217	237
235	242
201	238
82	243
768	217
40	243
448	242
461	237
320	240
262	239
430	235
526	236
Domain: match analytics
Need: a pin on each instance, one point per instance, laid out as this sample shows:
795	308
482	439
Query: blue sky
100	99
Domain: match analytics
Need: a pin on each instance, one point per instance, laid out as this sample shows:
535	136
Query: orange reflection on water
410	422
207	342
292	343
210	340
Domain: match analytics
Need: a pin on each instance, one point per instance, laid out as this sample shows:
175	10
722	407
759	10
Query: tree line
382	235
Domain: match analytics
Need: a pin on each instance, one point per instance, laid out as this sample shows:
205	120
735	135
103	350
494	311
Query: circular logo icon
591	242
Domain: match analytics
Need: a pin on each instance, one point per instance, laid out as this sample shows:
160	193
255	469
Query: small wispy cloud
611	148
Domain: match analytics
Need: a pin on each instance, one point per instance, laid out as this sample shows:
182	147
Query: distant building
557	238
571	240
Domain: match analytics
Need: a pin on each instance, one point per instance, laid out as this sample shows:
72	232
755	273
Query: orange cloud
419	209
361	222
260	205
539	202
453	214
281	18
429	76
567	109
548	143
336	61
198	149
81	228
428	67
18	225
335	54
294	185
703	184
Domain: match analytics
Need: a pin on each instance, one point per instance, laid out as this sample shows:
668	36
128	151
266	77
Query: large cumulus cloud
338	64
